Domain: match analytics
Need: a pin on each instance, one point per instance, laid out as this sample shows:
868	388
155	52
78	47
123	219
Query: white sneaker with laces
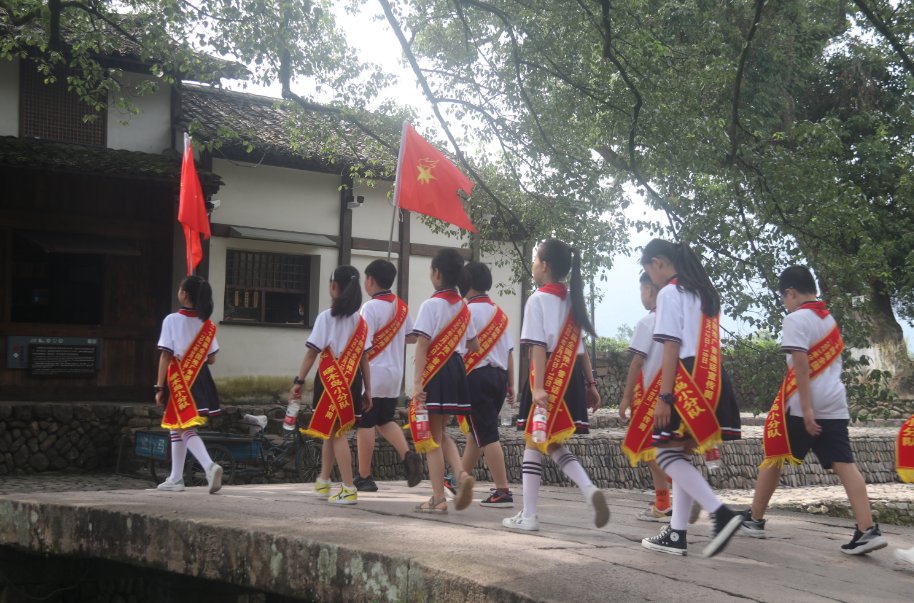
519	522
906	555
170	486
214	478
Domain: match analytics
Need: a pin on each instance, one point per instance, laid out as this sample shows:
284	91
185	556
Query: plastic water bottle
539	425
290	422
712	459
422	429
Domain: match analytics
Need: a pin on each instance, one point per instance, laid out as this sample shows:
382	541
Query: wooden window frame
252	277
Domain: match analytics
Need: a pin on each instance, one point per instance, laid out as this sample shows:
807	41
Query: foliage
262	388
612	344
756	367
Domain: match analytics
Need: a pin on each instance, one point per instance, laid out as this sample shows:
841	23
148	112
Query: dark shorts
355	391
447	393
488	388
831	446
382	412
727	412
575	399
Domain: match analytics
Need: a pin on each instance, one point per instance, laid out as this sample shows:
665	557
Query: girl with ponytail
561	379
188	345
338	341
694	407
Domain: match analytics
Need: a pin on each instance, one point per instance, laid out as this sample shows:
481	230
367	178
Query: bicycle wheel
307	461
195	475
159	470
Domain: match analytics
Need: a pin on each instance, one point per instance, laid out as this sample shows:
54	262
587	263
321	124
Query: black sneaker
865	542
412	465
724	522
753	527
667	541
365	484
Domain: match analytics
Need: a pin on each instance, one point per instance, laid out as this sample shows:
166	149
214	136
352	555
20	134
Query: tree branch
883	28
738	82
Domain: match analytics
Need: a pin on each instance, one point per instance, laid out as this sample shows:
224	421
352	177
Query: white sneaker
906	555
519	522
597	500
214	478
170	486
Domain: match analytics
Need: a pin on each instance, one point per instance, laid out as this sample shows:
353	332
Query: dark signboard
54	356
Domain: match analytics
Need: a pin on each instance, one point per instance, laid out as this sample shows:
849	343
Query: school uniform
488	381
447	393
386	367
643	344
678	319
802	329
544	316
335	332
179	330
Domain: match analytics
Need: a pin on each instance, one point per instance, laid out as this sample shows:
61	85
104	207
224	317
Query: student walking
810	411
695	407
561	385
388	318
338	341
188	346
445	334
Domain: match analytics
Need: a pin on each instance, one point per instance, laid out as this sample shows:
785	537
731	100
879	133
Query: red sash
904	451
386	334
439	352
181	410
776	443
639	437
698	393
559	424
487	338
337	375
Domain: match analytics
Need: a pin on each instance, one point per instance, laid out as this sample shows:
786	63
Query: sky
620	305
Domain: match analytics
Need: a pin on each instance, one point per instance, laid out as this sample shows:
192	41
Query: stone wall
38	437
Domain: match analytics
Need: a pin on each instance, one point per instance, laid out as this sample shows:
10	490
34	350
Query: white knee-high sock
571	466
690	480
532	470
197	448
178	455
682	506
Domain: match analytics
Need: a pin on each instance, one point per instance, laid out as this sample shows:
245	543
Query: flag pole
393	217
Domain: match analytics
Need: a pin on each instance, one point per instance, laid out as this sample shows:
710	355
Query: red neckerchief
449	295
557	289
384	296
188	312
816	306
481	299
673	281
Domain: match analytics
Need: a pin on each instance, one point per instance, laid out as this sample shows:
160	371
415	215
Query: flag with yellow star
427	182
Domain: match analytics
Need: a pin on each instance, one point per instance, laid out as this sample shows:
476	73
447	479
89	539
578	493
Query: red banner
698	393
904	451
639	438
386	334
181	410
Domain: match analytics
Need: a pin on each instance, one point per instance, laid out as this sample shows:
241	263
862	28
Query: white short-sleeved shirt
436	312
386	367
678	319
802	329
482	309
544	316
179	330
335	331
643	344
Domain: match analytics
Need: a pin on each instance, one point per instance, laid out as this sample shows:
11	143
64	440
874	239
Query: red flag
427	182
191	209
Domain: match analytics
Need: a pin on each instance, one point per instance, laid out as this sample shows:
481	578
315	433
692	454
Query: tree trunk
887	350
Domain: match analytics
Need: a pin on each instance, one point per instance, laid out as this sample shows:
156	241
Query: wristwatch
158	388
668	398
297	380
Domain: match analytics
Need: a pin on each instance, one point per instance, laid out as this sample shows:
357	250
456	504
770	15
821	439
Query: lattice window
263	287
51	112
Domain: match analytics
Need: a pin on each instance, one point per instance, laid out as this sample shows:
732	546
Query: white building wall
9	98
150	130
372	219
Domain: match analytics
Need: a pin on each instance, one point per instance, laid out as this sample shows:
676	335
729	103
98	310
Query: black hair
563	258
349	293
449	263
799	278
383	273
690	274
645	279
479	277
199	294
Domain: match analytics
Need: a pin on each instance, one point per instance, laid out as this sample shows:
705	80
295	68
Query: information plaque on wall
54	356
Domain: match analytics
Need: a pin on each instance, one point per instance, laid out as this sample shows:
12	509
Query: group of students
677	391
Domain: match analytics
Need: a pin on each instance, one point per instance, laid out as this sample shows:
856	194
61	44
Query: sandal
464	492
432	506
